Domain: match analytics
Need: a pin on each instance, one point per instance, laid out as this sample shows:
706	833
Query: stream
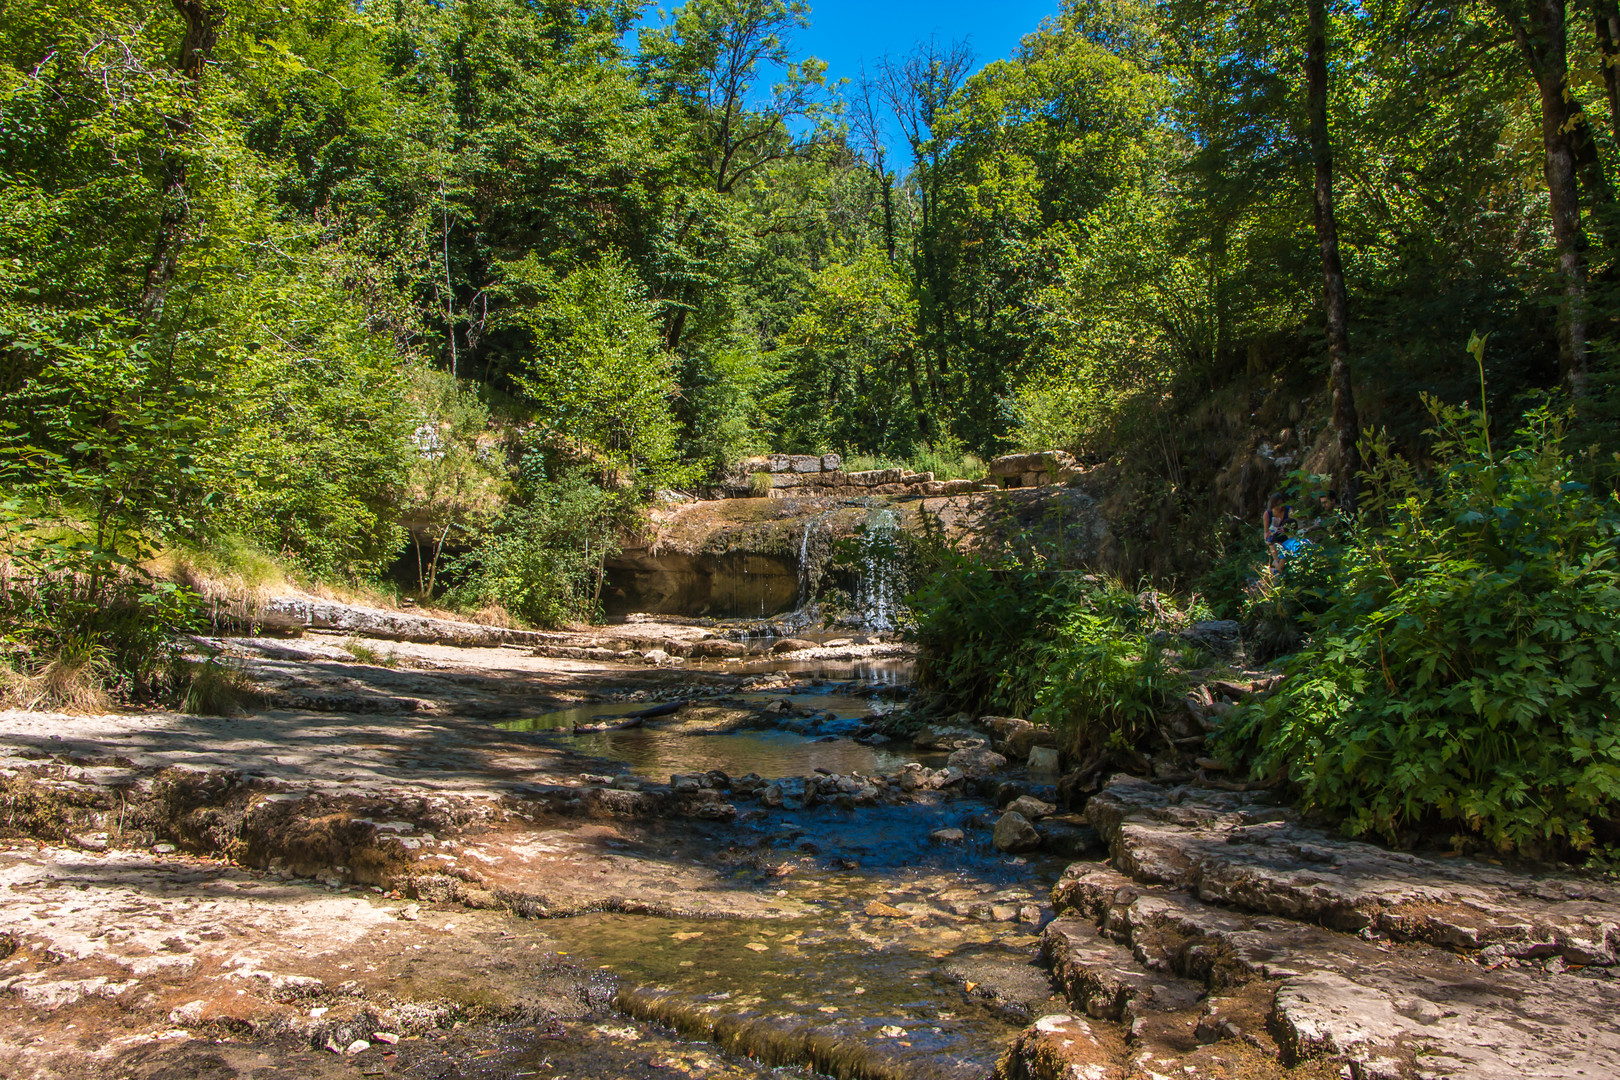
909	955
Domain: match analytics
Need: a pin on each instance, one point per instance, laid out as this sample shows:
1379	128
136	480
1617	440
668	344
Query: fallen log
656	710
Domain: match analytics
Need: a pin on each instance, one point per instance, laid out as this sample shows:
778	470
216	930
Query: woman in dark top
1279	516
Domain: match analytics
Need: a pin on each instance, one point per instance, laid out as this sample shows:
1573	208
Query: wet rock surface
311	894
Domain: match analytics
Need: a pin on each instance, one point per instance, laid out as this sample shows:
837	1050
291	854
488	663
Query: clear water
657	755
935	992
659	748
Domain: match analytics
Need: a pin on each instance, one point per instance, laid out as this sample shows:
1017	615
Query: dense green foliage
542	559
1463	666
1062	648
439	294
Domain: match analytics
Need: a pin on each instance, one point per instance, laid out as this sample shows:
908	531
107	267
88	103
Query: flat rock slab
1103	977
311	751
314	613
1385	1009
133	967
1234	849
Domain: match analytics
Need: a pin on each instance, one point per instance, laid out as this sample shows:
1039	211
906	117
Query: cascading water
807	575
814	546
879	582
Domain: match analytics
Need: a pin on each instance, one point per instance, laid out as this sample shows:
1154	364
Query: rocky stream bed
510	859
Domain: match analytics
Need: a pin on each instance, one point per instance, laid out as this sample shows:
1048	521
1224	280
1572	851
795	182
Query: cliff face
758	557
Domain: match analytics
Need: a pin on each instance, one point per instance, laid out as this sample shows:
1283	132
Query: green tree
847	386
599	378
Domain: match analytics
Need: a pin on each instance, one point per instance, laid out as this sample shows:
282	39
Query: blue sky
843	32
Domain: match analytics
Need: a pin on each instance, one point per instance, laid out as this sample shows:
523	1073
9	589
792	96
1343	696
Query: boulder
1058	1048
788	644
1021	465
1031	807
1015	833
976	762
948	738
1002	726
1223	637
1043	759
1021	742
831	462
719	648
947	836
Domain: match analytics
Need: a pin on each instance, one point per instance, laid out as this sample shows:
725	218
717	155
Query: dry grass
234	579
217	688
74	680
492	614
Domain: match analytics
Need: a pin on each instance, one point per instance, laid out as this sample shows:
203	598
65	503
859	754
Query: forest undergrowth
1447	655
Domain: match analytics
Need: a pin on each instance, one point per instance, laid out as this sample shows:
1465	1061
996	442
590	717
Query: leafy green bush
79	641
1061	648
1465	668
1226	586
543	560
101	449
1103	679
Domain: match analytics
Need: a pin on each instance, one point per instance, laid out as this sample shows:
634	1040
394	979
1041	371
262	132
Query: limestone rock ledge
1226	939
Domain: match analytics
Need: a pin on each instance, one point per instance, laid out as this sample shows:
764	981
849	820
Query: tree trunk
1334	301
433	569
1543	41
888	214
1607	17
203	24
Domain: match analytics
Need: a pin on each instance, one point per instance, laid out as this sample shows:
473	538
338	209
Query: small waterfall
807	584
815	545
879	582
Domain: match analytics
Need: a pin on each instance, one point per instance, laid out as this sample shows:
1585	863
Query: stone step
1173	1026
1383	1009
1102	978
1235	849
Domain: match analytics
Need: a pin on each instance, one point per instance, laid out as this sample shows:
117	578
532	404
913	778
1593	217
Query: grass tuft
74	680
368	655
216	688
